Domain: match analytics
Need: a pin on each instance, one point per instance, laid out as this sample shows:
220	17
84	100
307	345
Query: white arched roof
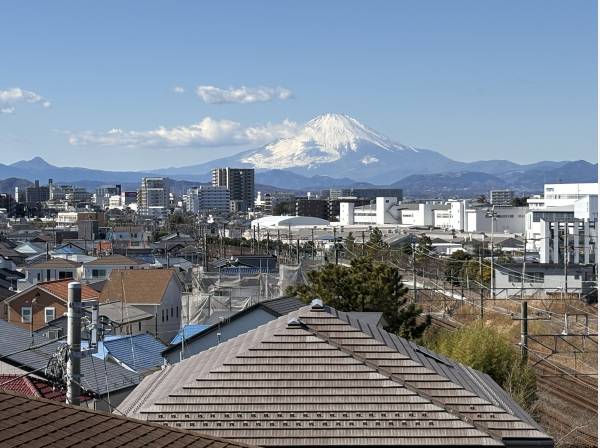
285	221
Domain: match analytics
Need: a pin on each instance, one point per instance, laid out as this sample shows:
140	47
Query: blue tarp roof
190	330
139	352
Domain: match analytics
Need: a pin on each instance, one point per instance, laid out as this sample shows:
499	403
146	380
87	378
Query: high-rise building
502	198
239	182
35	195
317	208
103	194
208	199
153	196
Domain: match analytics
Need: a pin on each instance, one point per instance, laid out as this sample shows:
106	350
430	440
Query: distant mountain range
335	150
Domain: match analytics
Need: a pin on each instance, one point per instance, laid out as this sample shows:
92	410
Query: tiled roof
33	387
282	305
37	422
114	260
312	379
140	352
141	286
15	350
60	288
55	263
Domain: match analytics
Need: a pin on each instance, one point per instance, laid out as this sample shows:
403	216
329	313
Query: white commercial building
562	225
208	199
153	197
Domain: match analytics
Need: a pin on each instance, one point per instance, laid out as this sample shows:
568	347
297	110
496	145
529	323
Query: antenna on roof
316	304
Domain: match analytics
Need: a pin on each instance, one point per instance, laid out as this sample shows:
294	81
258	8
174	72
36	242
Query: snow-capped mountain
339	146
325	139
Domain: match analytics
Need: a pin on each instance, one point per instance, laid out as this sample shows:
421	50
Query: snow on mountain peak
324	139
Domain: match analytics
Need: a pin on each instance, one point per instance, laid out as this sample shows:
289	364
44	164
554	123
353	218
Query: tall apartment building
317	208
502	198
208	199
153	196
239	182
35	195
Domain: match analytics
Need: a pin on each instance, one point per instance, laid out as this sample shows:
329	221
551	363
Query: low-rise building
100	268
154	291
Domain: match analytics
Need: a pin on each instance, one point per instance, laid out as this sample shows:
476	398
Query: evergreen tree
366	285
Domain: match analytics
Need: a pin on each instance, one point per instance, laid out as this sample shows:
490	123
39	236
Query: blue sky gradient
471	79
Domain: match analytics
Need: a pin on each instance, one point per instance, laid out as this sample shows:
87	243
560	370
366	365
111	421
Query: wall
44	299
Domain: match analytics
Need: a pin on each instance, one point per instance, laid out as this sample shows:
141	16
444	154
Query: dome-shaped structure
286	221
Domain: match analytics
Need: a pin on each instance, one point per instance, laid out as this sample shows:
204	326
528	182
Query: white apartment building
208	199
453	215
153	197
562	225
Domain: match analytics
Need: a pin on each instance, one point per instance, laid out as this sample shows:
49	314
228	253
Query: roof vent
294	322
316	304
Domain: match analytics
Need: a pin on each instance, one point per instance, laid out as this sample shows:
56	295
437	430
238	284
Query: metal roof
93	377
139	352
38	422
188	331
310	378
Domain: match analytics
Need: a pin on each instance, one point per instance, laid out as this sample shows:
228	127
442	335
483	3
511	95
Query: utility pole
335	245
492	259
480	286
253	240
362	251
298	251
312	239
566	254
524	270
258	240
524	331
74	343
414	269
268	252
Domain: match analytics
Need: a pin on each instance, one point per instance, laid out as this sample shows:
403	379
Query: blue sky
471	79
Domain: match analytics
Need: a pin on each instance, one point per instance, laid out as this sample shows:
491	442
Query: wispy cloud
243	94
11	97
208	132
178	89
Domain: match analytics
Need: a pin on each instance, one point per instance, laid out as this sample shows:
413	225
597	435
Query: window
49	313
167	315
53	334
26	314
64	274
140	326
177	311
163	315
536	277
171	311
514	277
98	272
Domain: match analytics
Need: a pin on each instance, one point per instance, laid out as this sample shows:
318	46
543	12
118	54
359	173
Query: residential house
154	291
36	306
106	382
33	421
100	268
317	377
224	327
52	269
34	386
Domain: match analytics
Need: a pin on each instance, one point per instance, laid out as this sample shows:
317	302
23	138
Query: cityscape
276	274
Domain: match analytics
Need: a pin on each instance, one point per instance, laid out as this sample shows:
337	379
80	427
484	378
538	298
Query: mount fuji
335	145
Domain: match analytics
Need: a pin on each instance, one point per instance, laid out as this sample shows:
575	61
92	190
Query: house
224	327
34	421
106	382
68	248
115	318
317	377
101	267
36	306
52	269
154	291
246	264
33	386
140	353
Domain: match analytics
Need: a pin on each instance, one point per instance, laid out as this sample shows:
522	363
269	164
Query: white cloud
206	133
243	94
178	89
9	98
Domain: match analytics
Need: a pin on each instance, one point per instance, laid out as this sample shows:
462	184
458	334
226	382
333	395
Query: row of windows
165	316
27	314
530	277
